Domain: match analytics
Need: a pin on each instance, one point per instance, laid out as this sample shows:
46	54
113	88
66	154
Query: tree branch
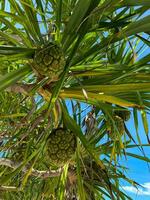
37	173
20	88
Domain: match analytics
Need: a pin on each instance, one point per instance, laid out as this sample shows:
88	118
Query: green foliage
102	43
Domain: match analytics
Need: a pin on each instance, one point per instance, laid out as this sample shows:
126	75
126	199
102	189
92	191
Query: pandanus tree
72	73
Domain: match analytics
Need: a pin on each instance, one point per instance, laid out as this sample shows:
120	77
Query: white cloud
139	191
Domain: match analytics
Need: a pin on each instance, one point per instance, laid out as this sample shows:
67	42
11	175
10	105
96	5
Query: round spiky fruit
124	114
112	128
49	61
119	124
61	146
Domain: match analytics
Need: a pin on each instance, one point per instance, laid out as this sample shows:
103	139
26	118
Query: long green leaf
81	190
133	28
76	18
136	3
14	76
146	159
62	183
93	98
116	88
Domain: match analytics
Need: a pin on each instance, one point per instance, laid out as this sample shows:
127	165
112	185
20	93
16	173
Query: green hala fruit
61	146
124	114
49	61
119	124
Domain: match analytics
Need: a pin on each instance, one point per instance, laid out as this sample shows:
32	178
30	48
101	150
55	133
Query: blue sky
138	170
